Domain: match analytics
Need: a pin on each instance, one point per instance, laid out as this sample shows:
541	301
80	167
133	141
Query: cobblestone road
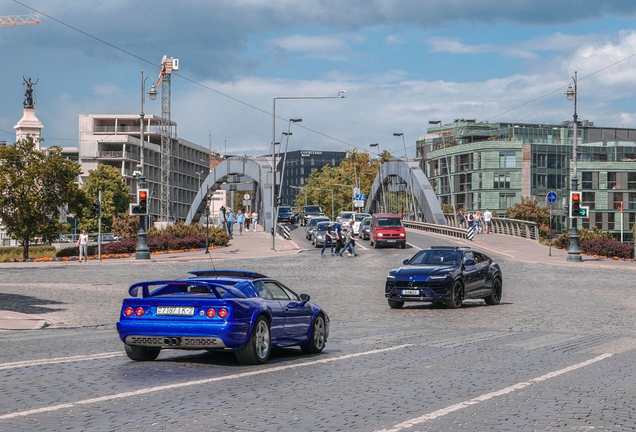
443	363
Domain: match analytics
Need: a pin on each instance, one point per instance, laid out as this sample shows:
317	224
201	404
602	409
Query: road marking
193	383
60	360
487	396
413	246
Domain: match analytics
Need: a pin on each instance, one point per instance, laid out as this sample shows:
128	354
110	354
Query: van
386	229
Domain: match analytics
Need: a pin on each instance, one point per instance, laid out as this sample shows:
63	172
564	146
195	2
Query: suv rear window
389	222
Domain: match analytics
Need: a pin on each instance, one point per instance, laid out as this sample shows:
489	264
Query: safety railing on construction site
512	227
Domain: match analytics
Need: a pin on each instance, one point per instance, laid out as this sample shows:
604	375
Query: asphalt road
557	354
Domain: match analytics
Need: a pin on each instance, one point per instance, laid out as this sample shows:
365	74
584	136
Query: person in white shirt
255	219
487	220
82	244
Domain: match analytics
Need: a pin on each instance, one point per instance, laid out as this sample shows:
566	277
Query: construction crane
167	66
13	20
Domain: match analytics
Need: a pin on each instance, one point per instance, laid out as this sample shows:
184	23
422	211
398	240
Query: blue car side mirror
406	261
305	297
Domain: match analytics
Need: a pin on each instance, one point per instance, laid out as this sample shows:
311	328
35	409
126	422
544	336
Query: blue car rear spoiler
211	287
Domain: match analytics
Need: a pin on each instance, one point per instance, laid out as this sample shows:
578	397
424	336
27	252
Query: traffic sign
360	197
552	197
358	203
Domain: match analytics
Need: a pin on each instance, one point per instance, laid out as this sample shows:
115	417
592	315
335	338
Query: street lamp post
207	221
341	95
331	199
448	168
282	174
574	253
199	174
379	153
142	244
410	183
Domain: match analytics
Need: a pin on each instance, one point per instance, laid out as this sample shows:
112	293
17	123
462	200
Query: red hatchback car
386	229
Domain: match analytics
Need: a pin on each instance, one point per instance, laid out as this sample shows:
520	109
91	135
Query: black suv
308	212
285	214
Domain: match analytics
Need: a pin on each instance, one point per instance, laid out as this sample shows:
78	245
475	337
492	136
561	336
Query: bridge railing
438	229
512	227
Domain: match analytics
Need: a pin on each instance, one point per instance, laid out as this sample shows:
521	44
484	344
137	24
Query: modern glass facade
298	166
492	165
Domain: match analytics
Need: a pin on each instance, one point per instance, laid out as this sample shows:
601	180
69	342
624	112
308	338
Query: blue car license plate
410	292
175	310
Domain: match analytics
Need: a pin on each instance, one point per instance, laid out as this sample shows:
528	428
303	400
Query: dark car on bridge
308	212
365	225
285	214
445	275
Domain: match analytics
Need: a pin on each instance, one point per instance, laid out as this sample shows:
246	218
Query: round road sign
246	196
552	197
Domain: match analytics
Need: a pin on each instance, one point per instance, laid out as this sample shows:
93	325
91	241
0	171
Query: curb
19	321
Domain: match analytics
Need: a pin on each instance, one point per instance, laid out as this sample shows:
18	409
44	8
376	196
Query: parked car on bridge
445	275
357	220
363	232
311	225
217	310
308	212
285	214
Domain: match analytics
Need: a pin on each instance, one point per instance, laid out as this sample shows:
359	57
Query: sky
402	64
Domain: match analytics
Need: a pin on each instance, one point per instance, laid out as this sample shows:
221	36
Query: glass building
478	165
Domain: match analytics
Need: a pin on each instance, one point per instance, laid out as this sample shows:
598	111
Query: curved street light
574	253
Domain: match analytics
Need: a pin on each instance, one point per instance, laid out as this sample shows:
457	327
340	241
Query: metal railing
512	227
438	229
283	231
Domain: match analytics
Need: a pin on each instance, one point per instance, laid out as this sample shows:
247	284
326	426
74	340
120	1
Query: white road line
60	360
413	246
193	383
442	412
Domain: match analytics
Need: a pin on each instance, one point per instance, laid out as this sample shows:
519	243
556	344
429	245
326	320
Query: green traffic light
583	212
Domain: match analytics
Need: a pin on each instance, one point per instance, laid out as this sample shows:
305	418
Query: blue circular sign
552	197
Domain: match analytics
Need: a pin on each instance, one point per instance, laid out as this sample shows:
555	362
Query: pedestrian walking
330	236
240	219
470	220
487	220
82	244
230	221
350	243
340	241
461	220
477	222
248	219
255	219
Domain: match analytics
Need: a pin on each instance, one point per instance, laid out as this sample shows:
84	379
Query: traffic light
96	208
279	201
141	208
583	212
575	204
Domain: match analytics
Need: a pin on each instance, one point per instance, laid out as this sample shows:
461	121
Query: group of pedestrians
242	220
337	243
481	223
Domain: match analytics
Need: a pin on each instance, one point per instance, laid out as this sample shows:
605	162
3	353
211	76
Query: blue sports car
243	311
445	275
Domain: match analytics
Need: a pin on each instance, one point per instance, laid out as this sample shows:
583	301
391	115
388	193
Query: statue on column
28	94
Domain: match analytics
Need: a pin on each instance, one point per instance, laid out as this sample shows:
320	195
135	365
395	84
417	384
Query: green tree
115	197
530	210
35	186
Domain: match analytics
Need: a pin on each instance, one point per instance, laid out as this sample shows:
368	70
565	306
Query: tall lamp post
341	95
282	174
142	244
331	199
410	184
381	182
448	168
574	253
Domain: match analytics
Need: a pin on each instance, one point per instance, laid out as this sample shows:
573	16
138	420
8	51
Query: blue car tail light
211	313
139	311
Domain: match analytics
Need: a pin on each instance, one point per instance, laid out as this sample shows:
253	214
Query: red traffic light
576	197
143	194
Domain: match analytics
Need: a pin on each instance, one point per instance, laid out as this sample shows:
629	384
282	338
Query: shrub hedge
608	248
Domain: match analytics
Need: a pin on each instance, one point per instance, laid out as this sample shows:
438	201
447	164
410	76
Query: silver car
318	236
311	225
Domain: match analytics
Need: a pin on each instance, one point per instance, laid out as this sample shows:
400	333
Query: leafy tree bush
125	225
563	241
115	197
608	248
530	210
73	251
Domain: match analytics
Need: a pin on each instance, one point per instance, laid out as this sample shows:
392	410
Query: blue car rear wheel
455	301
141	353
258	346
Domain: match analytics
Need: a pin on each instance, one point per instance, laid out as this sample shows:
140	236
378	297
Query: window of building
538	180
632	220
313	162
465	182
586	180
632	201
302	161
507	160
611	180
598	221
502	180
540	160
465	162
506	200
556	181
631	180
611	217
617	200
588	200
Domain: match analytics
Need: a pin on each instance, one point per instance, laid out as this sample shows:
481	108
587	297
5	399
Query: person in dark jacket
330	237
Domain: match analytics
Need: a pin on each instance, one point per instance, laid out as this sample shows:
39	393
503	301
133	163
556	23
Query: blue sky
401	62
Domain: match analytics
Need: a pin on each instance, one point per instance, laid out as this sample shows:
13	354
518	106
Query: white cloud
329	47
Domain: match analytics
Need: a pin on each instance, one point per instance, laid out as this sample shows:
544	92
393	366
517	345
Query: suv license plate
410	292
175	311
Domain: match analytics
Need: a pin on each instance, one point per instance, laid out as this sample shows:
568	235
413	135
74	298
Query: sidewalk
249	245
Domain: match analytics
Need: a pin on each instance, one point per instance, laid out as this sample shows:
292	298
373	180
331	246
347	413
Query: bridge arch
257	169
410	178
